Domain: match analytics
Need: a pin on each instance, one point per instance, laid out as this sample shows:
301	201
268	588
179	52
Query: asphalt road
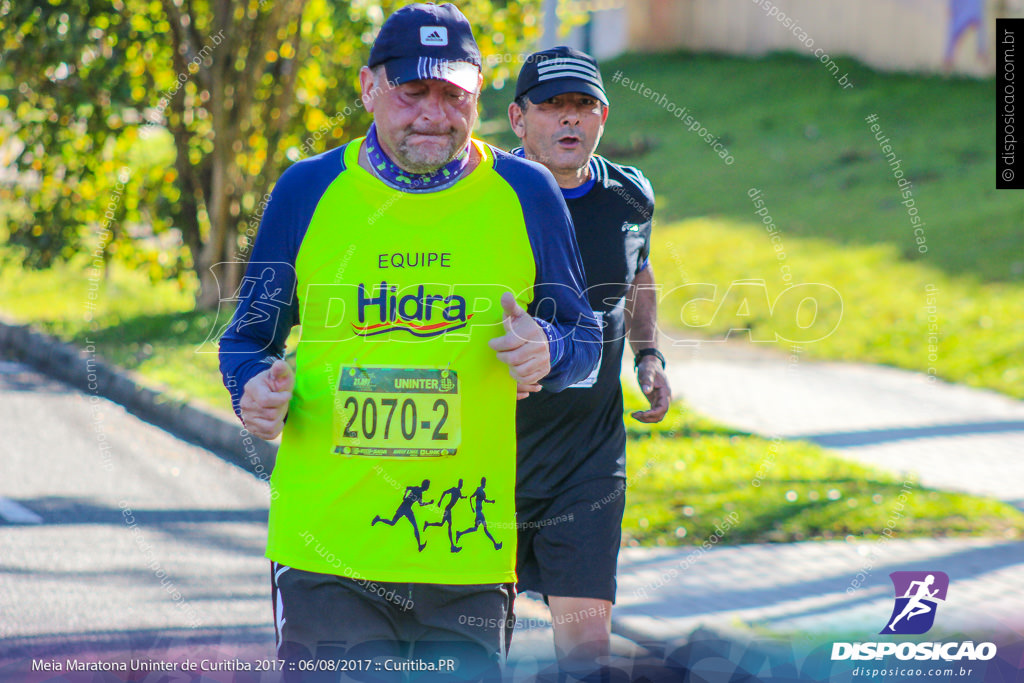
116	537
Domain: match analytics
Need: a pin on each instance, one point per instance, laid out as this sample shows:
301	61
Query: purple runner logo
917	597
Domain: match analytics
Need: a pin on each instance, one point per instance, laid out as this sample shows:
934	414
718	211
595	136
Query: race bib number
397	412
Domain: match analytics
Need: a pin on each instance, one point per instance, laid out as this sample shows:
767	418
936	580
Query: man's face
423	124
561	132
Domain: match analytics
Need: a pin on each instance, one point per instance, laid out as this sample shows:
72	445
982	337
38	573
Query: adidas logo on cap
433	35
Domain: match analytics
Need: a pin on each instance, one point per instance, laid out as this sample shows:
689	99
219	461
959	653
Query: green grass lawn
802	140
831	195
687	475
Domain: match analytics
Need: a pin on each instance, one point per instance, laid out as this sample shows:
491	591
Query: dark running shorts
569	544
332	628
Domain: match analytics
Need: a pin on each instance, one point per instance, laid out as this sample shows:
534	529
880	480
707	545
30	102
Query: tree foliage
150	130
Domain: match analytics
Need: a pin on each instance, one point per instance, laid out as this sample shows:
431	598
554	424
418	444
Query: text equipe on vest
420	259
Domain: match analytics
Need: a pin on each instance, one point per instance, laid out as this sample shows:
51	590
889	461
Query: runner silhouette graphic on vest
413	494
456	496
480	497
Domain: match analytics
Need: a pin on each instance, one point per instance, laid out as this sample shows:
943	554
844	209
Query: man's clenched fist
265	400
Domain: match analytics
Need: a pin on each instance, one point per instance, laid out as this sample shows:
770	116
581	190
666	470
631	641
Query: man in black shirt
572	445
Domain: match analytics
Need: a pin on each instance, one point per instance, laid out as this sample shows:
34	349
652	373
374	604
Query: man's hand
654	383
524	347
265	400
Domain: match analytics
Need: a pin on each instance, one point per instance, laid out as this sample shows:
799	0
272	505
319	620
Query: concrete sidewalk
952	437
815	588
800	593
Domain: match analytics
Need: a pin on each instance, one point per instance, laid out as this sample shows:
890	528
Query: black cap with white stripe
427	41
559	70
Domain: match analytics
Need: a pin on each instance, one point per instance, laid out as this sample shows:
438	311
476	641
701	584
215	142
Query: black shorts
328	625
569	544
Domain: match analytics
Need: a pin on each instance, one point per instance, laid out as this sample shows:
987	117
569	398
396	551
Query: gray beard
417	160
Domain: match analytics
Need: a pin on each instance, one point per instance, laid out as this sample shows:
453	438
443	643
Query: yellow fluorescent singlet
398	397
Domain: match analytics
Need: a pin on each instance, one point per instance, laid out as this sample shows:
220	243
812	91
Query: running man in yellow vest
436	280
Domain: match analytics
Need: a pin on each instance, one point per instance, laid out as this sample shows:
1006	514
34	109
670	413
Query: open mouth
569	141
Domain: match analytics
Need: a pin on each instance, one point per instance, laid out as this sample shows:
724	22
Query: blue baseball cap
428	41
559	70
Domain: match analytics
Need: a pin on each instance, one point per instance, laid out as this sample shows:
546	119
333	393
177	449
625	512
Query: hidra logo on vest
418	313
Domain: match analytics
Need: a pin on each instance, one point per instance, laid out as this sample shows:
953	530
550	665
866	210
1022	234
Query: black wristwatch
647	352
